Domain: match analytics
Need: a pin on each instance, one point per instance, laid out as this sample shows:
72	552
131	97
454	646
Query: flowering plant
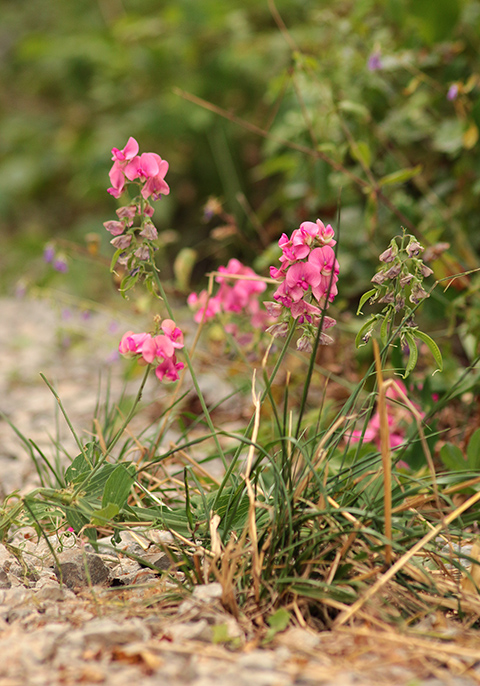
135	247
307	276
158	350
398	285
134	232
240	288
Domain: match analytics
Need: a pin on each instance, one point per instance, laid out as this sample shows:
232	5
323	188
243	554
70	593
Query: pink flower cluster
235	295
148	168
397	416
158	350
308	276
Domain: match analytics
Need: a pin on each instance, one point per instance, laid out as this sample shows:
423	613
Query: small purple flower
452	93
374	61
48	253
60	264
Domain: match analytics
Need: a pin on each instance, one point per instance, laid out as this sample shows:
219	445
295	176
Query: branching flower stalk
398	285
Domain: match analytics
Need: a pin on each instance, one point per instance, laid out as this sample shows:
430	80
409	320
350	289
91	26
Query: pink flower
142	166
308	272
131	343
301	276
148	167
169	369
117	179
157	347
234	295
206	307
396	413
156	185
158	350
171	330
128	152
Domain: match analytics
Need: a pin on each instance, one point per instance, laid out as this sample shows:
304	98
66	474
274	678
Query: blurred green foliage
365	86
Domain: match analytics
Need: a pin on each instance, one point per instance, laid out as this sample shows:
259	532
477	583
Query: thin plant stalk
385	452
190	367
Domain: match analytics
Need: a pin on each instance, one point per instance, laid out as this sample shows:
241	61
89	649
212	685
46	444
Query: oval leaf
366	296
117	487
433	347
368	326
400	176
413	357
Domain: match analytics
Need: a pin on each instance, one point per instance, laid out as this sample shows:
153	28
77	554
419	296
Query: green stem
190	367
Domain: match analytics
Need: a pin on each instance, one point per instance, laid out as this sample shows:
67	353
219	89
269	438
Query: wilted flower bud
387	298
148	210
279	330
274	309
418	293
426	271
390	253
127	212
405	279
399	303
121	241
149	231
367	336
379	278
414	248
142	253
304	343
394	271
115	228
325	339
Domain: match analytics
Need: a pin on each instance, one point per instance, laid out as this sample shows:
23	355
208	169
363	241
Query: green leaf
118	485
366	296
413	357
473	451
128	282
400	176
78	468
361	152
277	622
115	257
368	326
384	330
104	515
452	457
76	520
433	347
355	108
436	20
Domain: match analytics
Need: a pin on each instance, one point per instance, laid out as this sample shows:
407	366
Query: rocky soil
69	615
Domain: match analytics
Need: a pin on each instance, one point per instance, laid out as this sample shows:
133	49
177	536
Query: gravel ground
57	626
